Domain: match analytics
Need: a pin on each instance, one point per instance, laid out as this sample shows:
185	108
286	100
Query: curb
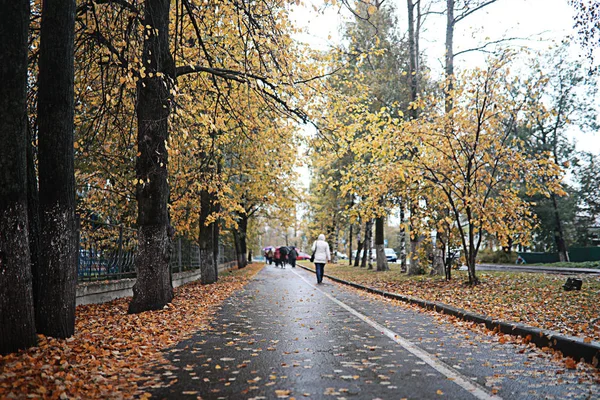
569	346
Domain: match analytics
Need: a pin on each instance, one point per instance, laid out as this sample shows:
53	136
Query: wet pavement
284	336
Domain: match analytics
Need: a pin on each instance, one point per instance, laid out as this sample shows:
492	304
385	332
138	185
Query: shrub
496	257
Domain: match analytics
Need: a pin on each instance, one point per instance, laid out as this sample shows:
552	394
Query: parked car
341	255
302	256
391	255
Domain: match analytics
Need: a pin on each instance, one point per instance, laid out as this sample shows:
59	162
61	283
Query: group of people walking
283	255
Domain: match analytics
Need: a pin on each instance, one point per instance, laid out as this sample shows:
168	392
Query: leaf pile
111	353
532	299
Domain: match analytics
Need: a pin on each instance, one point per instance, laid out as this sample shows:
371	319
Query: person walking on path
322	255
292	255
283	250
277	257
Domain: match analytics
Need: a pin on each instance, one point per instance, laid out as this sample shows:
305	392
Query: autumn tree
475	167
555	106
377	64
17	321
210	46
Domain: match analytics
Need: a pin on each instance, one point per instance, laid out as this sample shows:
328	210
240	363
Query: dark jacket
293	254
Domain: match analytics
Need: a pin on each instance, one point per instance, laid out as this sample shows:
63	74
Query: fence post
120	250
179	253
78	229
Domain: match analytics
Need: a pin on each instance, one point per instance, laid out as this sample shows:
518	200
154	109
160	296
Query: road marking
475	389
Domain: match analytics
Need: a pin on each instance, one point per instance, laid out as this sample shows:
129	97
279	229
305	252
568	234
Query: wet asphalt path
284	336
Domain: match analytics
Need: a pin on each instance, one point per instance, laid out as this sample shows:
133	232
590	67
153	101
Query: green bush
496	257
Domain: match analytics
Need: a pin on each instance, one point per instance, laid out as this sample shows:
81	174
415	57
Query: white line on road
456	377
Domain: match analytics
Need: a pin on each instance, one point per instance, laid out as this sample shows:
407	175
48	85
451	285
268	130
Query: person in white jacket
322	255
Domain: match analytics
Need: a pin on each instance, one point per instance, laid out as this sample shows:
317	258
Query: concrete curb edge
569	346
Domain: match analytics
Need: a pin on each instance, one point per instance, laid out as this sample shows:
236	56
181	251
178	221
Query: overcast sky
542	21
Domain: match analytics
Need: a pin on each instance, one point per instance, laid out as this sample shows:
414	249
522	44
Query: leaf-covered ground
111	352
532	299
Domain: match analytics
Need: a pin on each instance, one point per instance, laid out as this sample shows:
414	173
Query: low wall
101	292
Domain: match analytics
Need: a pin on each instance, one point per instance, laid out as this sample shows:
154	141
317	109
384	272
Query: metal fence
107	252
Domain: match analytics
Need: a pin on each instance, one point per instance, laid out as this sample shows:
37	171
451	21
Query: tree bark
402	234
438	255
17	326
382	264
359	248
413	78
206	240
240	239
33	214
559	235
449	59
57	273
413	267
153	288
366	257
350	245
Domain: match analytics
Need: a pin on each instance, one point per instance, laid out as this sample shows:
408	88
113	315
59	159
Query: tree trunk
382	264
350	245
17	326
206	240
216	231
240	238
33	214
413	268
559	236
449	67
236	245
367	246
55	314
153	288
359	249
413	78
471	253
438	255
402	234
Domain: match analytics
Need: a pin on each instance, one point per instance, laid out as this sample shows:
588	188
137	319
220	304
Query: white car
391	255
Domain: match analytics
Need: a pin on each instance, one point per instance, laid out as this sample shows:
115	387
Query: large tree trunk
17	326
206	240
382	264
57	272
33	214
153	288
242	232
239	239
559	236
